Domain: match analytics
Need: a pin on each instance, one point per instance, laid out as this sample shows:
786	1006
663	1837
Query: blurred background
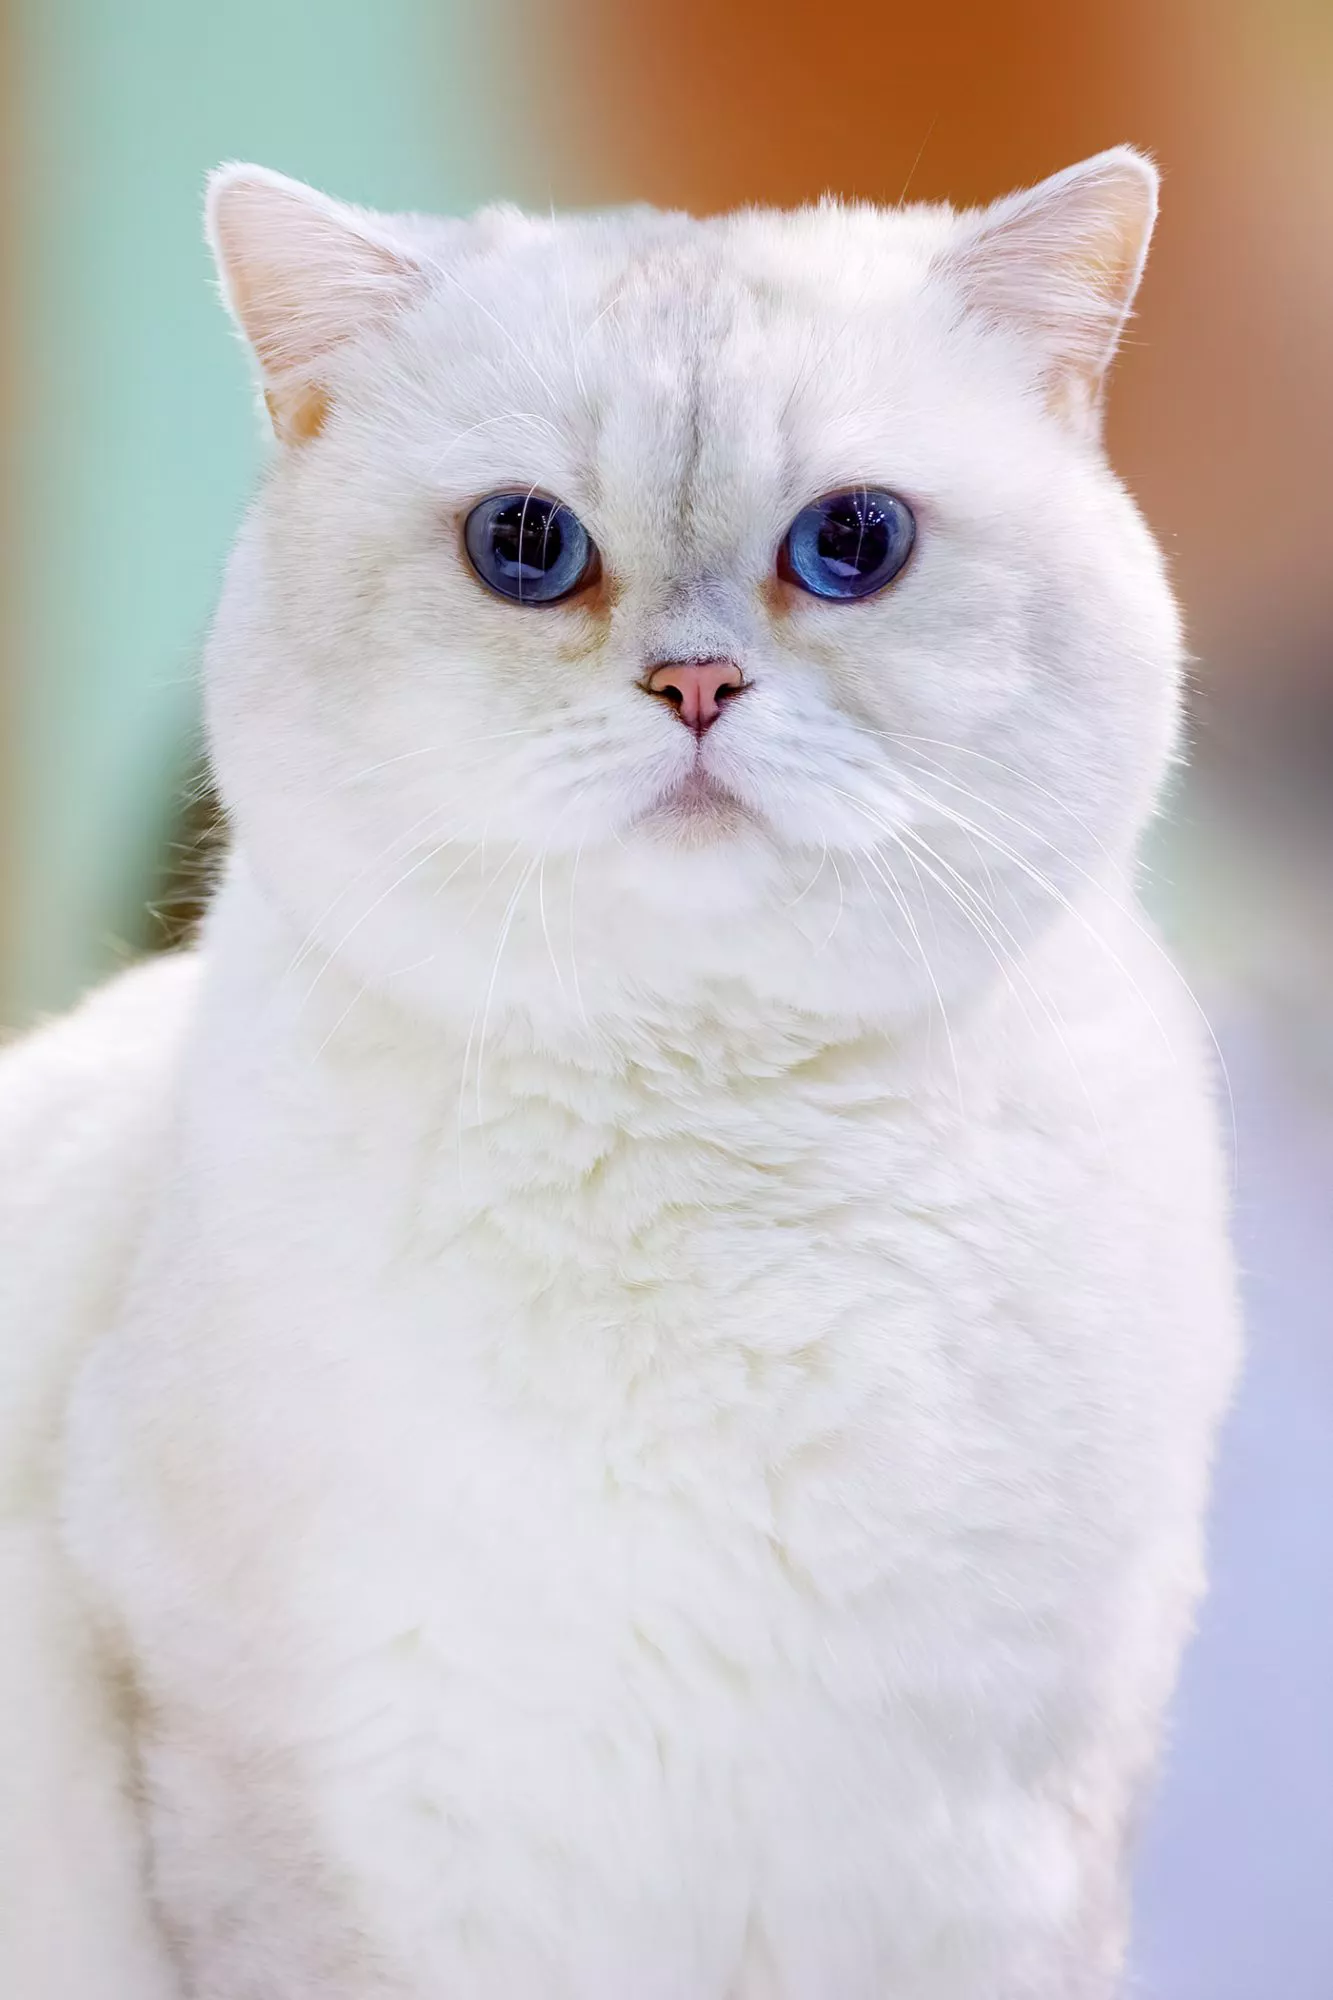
129	445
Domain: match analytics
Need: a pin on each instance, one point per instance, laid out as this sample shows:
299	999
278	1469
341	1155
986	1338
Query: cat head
646	612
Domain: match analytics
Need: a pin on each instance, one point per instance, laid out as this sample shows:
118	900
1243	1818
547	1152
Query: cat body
640	1422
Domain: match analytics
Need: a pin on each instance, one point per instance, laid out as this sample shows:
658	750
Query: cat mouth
696	807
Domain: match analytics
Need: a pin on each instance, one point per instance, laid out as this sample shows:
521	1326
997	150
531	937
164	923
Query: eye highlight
529	548
848	544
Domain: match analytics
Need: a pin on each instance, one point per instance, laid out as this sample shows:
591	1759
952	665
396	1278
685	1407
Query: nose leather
696	689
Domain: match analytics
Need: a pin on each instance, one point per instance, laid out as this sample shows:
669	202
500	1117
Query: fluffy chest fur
634	1526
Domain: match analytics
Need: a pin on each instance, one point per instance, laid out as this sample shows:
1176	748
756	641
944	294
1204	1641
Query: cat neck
284	1008
312	1096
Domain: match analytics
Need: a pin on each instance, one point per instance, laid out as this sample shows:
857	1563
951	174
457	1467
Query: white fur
649	1379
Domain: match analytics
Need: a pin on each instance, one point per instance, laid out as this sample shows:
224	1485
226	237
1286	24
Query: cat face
857	663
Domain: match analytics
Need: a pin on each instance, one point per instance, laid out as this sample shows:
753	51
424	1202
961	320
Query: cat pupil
854	539
526	537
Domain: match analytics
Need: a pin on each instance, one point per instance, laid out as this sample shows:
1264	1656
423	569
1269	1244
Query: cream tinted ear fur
1061	262
301	274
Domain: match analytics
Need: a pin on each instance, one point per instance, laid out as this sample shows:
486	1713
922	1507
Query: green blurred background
130	442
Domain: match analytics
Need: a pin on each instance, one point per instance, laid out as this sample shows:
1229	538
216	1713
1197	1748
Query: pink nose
696	689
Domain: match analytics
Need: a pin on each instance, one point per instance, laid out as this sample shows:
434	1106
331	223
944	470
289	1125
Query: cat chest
645	1631
554	1478
501	1526
679	1367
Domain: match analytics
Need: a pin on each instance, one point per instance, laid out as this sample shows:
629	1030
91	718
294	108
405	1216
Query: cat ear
1060	264
301	275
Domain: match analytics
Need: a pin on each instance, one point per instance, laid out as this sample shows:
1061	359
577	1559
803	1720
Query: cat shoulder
85	1102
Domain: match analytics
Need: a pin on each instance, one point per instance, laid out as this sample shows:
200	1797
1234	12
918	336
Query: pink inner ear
1061	264
302	275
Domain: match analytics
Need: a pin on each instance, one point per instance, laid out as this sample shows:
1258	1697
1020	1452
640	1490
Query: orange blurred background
1222	416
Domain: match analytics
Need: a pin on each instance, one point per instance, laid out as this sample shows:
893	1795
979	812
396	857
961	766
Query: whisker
569	316
500	872
842	898
981	924
823	863
573	936
1035	875
506	926
886	876
532	417
982	918
406	875
541	911
399	841
1043	882
500	328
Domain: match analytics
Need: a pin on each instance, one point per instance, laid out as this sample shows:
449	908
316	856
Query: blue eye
529	548
848	544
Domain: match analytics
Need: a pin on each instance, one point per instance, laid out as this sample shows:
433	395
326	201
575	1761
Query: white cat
609	1392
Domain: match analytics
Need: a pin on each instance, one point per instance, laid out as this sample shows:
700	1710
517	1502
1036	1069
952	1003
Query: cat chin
697	811
652	923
